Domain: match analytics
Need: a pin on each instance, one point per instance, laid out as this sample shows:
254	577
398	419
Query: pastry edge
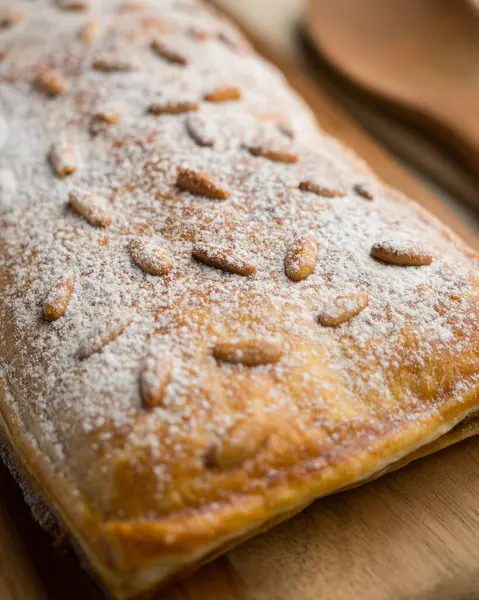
108	546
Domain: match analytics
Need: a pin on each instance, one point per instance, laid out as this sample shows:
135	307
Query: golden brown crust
256	408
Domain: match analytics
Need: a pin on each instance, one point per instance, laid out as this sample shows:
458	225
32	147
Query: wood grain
411	534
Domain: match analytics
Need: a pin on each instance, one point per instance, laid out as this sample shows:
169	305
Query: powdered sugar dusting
336	388
402	252
342	309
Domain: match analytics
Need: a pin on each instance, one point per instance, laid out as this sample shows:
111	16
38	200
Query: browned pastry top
211	311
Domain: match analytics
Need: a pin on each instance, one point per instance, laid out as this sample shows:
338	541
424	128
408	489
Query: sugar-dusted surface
405	358
149	257
342	309
57	299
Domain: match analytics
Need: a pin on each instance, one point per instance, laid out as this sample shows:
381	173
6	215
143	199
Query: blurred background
398	81
405	71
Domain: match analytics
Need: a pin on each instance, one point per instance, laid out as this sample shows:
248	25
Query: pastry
211	312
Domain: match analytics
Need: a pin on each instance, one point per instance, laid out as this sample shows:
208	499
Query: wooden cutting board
413	534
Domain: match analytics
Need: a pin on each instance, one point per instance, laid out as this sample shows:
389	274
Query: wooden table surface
412	534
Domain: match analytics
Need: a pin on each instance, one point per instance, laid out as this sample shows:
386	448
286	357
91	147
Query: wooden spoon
421	56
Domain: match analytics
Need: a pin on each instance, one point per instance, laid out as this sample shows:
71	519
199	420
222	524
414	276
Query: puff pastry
211	313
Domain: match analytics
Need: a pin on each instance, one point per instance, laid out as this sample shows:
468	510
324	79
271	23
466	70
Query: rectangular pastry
211	313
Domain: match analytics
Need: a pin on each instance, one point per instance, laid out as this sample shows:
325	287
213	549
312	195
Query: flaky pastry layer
212	313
